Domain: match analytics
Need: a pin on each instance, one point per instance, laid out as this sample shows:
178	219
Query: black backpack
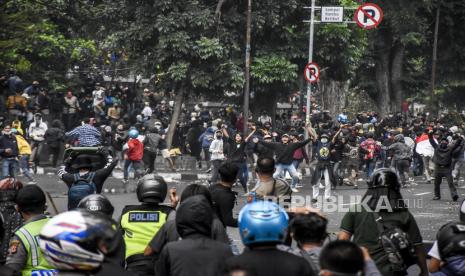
81	188
397	245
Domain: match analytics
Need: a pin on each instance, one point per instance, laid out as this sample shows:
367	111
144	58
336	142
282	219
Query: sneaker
299	186
32	182
294	190
321	186
455	198
436	198
208	170
125	181
355	186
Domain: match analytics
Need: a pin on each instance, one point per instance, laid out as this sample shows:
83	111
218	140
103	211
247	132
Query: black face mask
443	145
219	136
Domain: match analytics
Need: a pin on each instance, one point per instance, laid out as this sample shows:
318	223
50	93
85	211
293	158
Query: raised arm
431	139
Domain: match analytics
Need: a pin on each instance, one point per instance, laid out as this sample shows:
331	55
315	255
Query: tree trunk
333	95
397	59
265	101
382	84
175	116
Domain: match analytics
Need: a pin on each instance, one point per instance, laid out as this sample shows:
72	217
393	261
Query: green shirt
362	225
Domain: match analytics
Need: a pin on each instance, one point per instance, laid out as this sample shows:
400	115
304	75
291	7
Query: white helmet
74	240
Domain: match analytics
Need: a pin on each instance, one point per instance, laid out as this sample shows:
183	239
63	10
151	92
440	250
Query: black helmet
384	177
151	189
97	203
451	240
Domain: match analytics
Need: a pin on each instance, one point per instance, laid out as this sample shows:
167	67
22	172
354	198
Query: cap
285	135
30	196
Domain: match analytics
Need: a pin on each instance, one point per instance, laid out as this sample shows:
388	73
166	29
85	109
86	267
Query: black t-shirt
269	262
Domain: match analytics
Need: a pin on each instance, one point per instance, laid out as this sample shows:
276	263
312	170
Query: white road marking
426	193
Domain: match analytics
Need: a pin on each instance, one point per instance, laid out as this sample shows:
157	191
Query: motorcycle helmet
77	240
262	222
151	189
97	203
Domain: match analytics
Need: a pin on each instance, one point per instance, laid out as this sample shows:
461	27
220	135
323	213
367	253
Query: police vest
36	264
140	224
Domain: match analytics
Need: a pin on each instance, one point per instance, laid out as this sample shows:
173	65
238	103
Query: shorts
165	153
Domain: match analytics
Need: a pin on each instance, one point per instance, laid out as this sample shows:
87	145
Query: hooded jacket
454	266
400	150
188	256
37	130
207	137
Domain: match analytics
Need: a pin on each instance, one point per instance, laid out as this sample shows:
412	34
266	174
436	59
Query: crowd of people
187	235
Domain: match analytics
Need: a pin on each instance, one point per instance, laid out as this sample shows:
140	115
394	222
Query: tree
35	45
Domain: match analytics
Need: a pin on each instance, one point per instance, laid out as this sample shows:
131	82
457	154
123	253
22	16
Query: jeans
283	168
427	164
149	160
402	168
215	167
24	166
9	167
456	164
243	174
36	148
206	154
370	166
296	163
137	165
439	173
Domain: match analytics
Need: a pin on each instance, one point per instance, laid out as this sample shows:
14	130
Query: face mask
7	132
324	140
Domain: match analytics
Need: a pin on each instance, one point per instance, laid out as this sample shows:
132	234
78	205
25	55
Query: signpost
368	16
312	72
332	14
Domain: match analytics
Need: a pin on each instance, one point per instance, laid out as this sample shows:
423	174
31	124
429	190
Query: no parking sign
312	72
368	16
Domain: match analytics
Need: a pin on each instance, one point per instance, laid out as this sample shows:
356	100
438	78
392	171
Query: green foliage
272	69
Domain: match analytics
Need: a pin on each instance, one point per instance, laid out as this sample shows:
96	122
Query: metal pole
247	67
435	58
310	59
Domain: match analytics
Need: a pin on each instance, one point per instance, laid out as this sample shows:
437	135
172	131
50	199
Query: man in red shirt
134	151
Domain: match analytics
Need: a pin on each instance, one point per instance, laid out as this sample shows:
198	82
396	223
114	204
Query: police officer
101	204
24	254
78	242
140	223
448	252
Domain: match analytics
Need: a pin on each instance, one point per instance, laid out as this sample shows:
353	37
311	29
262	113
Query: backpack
370	149
396	245
80	188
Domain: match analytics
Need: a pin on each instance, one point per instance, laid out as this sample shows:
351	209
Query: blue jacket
207	137
8	142
454	266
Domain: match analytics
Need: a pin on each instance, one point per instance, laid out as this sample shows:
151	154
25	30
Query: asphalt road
430	215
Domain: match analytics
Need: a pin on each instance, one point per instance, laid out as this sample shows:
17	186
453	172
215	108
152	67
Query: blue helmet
263	222
133	133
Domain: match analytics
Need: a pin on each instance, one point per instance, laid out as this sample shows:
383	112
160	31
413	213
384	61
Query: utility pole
310	59
435	58
247	67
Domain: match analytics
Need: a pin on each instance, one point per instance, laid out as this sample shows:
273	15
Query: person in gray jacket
402	155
